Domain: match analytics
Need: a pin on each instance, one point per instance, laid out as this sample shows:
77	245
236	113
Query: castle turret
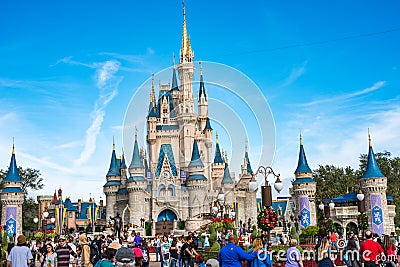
202	103
113	183
304	188
196	183
374	185
218	166
12	197
136	183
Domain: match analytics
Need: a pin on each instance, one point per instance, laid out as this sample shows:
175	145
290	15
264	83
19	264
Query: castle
178	179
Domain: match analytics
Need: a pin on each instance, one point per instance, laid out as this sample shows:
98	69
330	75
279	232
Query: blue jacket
232	255
262	260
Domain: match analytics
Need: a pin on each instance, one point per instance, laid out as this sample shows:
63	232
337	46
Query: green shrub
215	247
310	231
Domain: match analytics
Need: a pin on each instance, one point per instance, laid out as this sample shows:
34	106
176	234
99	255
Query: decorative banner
183	175
60	215
377	215
11	222
149	175
305	211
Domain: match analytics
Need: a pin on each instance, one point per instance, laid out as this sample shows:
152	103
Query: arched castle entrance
165	222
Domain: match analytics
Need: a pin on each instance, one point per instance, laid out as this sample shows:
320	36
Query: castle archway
165	222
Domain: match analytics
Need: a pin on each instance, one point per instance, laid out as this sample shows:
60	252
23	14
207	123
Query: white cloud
343	97
107	84
295	74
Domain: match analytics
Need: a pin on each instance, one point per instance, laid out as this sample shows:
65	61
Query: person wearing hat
124	257
85	260
64	251
49	259
20	255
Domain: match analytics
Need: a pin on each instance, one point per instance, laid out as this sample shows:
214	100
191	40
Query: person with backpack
90	252
63	251
146	254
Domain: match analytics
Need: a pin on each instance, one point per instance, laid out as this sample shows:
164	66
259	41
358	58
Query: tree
333	181
31	178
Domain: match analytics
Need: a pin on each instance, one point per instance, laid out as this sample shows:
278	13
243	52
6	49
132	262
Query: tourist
165	251
232	255
293	255
49	259
390	250
157	242
264	259
173	251
107	258
85	256
63	251
138	240
138	256
370	250
72	245
77	260
131	239
206	242
352	254
146	254
20	255
187	252
179	244
124	257
334	238
323	256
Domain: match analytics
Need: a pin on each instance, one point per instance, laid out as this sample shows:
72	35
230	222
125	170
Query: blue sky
69	69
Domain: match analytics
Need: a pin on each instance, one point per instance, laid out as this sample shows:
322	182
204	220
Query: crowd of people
182	251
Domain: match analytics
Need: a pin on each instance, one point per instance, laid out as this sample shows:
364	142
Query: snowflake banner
377	214
305	211
11	220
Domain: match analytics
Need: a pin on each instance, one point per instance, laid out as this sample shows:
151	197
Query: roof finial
201	68
246	145
173	59
369	139
301	138
152	94
226	158
13	147
223	153
113	143
136	132
216	137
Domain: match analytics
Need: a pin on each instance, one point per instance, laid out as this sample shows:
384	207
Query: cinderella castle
178	178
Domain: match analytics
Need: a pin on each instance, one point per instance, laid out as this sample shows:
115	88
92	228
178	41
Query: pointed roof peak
202	90
174	85
13	147
114	167
195	160
302	165
218	158
186	49
136	160
113	145
227	179
208	124
301	138
12	174
372	170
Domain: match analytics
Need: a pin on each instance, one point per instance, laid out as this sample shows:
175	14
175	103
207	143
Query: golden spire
186	47
216	137
223	153
369	139
13	148
153	94
301	139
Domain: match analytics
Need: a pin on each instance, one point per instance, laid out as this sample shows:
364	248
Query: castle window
165	120
70	214
165	110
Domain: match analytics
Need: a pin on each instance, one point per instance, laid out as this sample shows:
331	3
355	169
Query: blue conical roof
174	85
136	160
246	156
114	167
152	112
218	156
202	90
372	170
123	164
302	165
195	161
12	174
208	125
227	176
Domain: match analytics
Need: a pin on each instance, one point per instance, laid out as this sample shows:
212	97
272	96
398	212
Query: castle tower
374	185
12	197
304	188
218	166
110	189
196	183
202	103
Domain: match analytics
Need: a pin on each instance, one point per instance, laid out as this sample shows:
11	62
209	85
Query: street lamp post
44	221
361	205
266	193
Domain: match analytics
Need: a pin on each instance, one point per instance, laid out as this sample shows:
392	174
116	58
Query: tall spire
195	160
218	157
12	174
186	49
202	90
174	85
123	164
114	168
136	160
227	179
302	165
246	157
372	170
152	94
